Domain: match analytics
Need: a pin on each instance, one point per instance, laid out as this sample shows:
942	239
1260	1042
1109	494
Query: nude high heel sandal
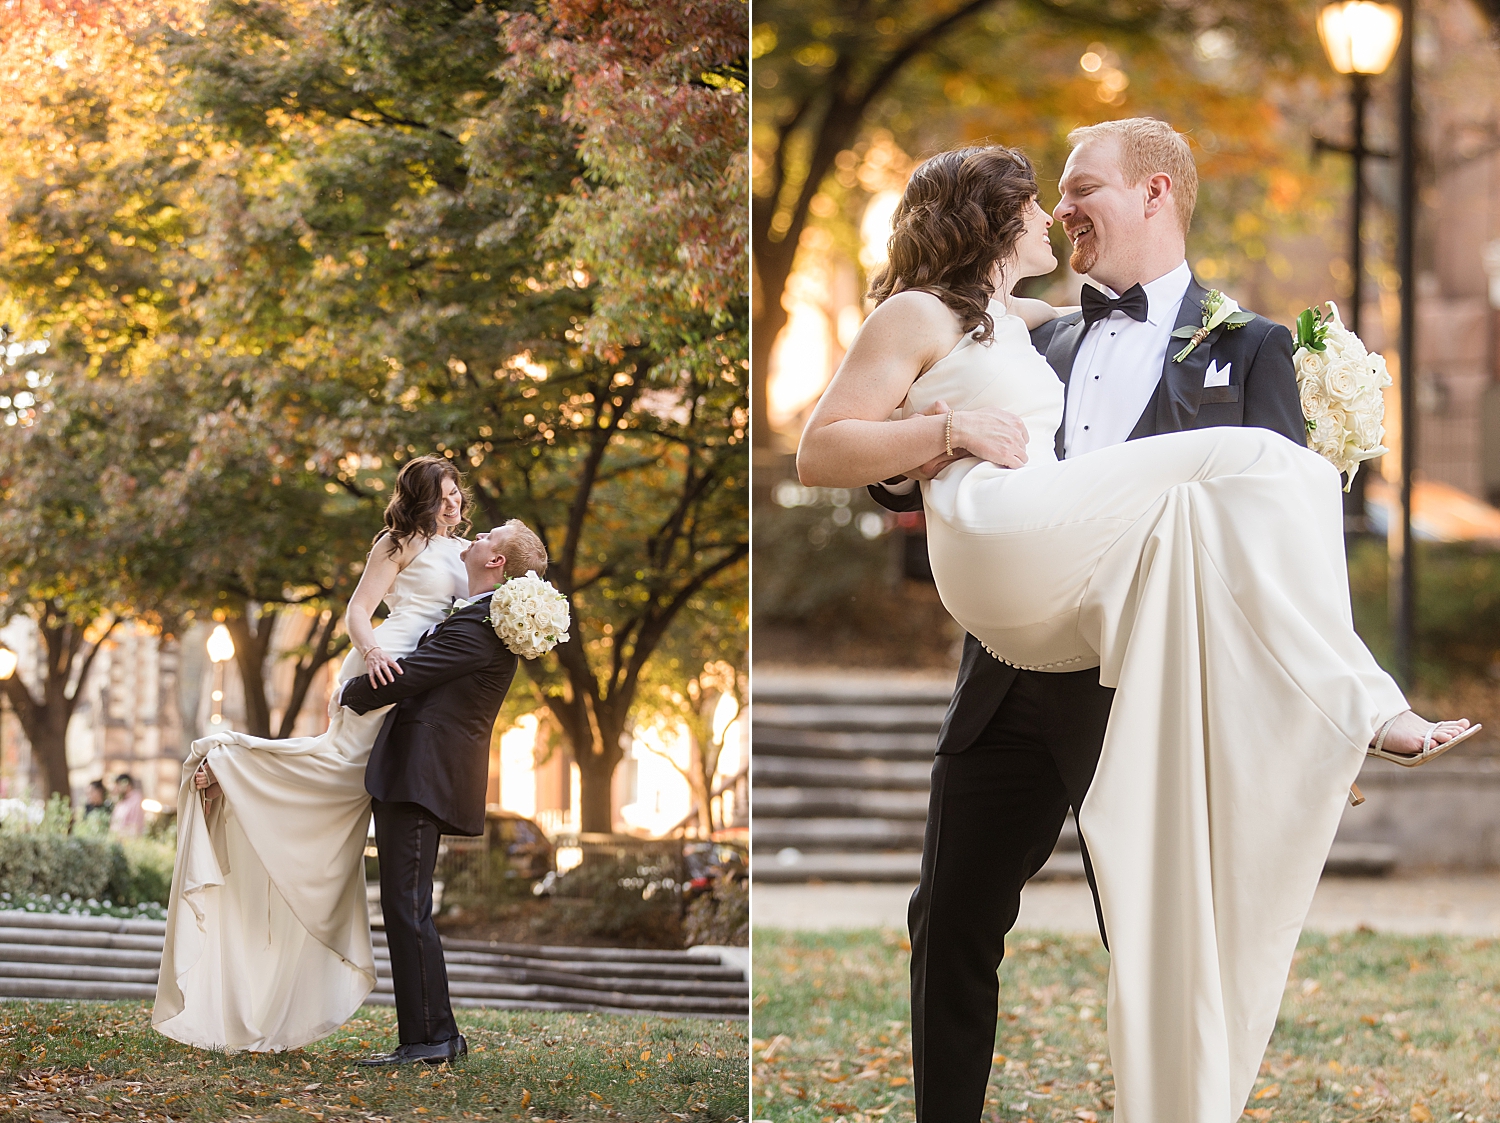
1429	750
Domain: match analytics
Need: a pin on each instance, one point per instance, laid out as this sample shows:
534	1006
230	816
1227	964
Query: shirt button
1085	428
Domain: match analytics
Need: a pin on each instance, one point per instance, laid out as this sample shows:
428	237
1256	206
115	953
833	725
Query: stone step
772	835
487	974
835	834
874	717
689	957
1360	859
901	866
836	803
615	1000
85	961
813	687
83	938
1345	859
80	957
889	775
782	741
57	922
24	970
90	990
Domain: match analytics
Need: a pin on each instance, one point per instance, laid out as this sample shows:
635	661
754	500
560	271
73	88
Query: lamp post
8	662
220	651
1403	582
1359	38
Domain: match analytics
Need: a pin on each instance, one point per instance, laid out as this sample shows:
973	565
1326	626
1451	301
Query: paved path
1467	905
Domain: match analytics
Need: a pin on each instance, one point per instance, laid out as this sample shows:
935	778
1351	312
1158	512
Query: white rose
1341	381
1310	363
1368	431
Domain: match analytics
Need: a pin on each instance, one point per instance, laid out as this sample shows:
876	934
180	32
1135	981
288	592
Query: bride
1201	572
268	935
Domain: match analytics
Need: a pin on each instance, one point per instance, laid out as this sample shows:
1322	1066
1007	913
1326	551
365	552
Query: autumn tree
501	237
164	485
834	73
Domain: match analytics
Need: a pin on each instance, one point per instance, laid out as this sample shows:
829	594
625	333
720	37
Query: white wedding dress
268	933
1203	573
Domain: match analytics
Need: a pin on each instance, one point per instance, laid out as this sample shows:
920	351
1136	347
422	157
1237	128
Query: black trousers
407	838
996	811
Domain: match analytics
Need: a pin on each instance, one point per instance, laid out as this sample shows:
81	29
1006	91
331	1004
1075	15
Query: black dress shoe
428	1052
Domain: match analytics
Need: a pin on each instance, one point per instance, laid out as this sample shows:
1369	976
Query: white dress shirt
1118	366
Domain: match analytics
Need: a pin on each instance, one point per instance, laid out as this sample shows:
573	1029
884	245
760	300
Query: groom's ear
1158	193
496	562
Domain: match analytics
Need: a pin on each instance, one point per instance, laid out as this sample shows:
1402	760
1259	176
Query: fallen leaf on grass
1258	1112
1420	1113
1269	1092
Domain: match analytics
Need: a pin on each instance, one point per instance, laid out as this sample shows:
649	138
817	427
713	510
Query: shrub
40	858
720	916
33	863
1457	610
634	897
148	871
811	553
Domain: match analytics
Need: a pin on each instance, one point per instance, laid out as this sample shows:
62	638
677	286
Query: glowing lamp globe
1360	37
221	645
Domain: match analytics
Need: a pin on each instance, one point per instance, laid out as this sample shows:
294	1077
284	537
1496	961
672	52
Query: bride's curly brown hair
417	498
962	212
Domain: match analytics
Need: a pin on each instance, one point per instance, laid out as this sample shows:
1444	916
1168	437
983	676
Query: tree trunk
45	722
49	746
251	629
595	805
320	650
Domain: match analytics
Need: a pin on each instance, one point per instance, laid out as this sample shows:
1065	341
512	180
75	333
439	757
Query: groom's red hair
1147	147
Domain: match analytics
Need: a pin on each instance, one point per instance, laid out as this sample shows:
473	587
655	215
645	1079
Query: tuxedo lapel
1062	352
1180	390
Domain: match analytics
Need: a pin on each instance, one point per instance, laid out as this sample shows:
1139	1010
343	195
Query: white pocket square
1215	376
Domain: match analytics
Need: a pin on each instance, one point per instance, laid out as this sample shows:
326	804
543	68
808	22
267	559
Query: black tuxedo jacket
1262	391
434	748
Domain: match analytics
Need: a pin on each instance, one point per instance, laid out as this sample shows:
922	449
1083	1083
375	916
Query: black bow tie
1096	306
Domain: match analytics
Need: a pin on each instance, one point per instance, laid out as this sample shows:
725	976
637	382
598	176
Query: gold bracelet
948	434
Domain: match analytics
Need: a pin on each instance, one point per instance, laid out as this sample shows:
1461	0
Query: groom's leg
407	838
1081	711
995	813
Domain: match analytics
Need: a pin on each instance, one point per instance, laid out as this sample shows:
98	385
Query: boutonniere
1218	310
458	603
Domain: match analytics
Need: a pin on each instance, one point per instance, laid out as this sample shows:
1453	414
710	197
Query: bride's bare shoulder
916	306
913	317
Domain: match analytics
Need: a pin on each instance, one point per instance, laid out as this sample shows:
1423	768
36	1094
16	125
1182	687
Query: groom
427	775
1018	748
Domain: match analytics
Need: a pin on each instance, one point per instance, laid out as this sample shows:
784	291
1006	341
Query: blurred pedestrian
96	804
128	819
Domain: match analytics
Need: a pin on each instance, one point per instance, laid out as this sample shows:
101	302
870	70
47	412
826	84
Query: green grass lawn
1373	1028
102	1061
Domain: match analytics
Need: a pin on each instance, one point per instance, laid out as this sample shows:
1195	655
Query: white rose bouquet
1340	385
529	615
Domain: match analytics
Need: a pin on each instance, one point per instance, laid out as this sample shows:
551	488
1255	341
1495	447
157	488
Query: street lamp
8	661
220	651
1360	39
